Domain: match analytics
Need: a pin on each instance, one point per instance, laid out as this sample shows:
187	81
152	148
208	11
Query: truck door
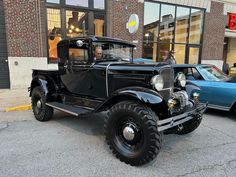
82	77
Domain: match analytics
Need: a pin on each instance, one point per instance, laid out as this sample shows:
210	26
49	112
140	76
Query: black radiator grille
168	77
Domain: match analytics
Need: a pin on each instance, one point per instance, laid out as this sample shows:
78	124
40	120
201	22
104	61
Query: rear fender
143	95
46	85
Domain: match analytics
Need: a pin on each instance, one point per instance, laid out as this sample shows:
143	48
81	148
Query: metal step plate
76	111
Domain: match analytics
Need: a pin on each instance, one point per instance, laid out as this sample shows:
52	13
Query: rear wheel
190	126
41	111
131	133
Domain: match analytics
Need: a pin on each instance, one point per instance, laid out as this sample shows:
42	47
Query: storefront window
76	23
151	29
99	4
181	31
148	51
151	13
73	18
99	28
180	53
193	55
83	3
170	27
164	51
167	23
54	32
196	26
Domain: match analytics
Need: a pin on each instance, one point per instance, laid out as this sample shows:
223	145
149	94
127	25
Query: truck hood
133	68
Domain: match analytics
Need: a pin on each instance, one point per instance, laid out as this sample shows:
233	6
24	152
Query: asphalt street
71	146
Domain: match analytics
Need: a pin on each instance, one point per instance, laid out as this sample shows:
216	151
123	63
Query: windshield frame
202	70
99	43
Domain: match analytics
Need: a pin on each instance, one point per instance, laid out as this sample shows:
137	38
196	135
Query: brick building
197	31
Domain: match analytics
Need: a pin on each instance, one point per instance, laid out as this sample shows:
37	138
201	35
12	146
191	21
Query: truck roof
98	39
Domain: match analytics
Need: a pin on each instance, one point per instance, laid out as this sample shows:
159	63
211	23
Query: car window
196	75
212	73
112	51
78	55
190	73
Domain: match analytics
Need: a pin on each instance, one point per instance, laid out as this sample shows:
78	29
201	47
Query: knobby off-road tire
190	126
41	111
131	133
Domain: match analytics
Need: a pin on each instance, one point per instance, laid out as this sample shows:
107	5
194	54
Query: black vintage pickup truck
142	100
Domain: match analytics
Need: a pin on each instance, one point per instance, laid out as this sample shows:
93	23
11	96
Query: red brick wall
25	26
213	37
118	13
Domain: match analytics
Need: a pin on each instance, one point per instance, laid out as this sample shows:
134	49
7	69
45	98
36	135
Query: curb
19	108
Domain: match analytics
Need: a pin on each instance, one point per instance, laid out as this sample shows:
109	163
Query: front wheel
41	111
190	126
131	133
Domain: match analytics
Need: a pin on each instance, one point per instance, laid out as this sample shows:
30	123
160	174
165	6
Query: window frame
159	42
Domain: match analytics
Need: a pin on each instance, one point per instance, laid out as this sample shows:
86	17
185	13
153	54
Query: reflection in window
76	23
193	55
180	53
167	23
148	51
196	26
182	17
151	26
99	24
164	52
54	32
99	4
151	13
174	29
151	21
83	3
54	1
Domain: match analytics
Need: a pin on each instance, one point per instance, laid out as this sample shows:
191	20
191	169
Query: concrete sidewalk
13	98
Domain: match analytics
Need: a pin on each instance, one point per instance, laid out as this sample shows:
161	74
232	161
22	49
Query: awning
230	33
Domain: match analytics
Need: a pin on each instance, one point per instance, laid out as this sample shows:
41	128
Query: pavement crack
219	131
210	167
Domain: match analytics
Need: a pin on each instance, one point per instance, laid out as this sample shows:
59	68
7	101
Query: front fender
146	96
191	88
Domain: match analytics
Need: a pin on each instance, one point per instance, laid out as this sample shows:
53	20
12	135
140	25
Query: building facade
200	31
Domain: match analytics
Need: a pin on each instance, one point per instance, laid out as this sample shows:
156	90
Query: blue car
218	89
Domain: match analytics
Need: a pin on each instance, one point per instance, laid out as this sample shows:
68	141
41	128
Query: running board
76	111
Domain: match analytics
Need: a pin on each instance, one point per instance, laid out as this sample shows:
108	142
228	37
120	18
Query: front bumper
182	118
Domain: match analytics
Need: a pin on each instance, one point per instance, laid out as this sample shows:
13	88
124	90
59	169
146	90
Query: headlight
195	95
157	82
181	79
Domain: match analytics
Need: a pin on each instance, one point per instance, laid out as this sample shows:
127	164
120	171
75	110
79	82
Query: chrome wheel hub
128	133
39	104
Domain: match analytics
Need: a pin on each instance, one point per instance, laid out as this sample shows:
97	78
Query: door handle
6	61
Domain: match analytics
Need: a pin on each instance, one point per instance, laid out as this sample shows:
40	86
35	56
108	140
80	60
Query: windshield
212	73
112	51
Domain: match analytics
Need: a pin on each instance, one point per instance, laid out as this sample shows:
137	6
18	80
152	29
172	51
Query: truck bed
45	72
